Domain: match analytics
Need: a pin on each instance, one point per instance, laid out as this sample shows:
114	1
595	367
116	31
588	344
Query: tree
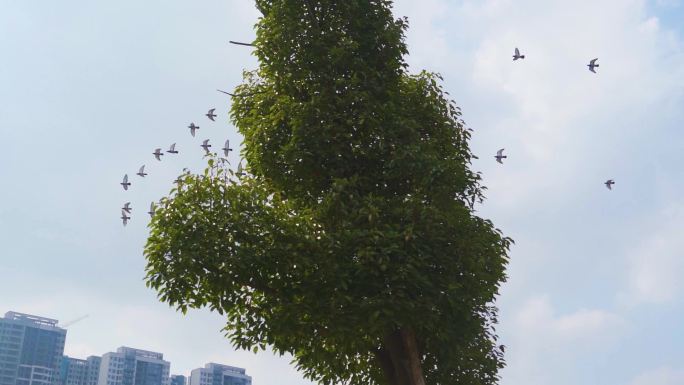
351	243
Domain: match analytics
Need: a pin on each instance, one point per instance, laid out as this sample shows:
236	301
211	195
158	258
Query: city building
31	350
128	366
75	371
93	370
178	380
217	374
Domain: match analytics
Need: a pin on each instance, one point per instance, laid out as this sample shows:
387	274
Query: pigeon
158	154
205	145
193	128
517	55
239	169
124	217
152	208
592	65
125	182
172	149
142	172
609	183
226	149
238	43
500	155
127	207
211	115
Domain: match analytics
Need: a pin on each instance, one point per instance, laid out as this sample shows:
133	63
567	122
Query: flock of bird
158	153
593	65
126	210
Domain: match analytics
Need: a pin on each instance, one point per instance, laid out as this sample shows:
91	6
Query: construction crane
67	324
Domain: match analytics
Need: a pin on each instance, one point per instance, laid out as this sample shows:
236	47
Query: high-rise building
93	370
130	366
31	350
178	380
75	371
217	374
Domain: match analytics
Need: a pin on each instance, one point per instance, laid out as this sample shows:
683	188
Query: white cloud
549	107
657	263
540	340
661	376
538	320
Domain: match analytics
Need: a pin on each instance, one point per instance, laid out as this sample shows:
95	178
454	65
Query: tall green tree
351	242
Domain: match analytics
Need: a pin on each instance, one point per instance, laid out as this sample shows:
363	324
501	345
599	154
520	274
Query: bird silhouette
239	171
517	55
152	209
500	155
211	115
205	145
609	184
142	172
172	149
124	218
158	154
193	128
239	43
127	207
125	182
226	149
592	65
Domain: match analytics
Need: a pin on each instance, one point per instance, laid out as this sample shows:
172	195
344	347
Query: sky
88	90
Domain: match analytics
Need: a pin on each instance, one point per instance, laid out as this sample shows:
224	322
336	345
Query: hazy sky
88	89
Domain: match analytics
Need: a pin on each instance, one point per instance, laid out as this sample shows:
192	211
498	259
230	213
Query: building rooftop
38	321
140	353
213	365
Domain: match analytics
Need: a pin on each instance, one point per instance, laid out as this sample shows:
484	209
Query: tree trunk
400	359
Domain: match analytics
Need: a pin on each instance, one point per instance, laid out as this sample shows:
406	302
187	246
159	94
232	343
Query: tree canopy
351	242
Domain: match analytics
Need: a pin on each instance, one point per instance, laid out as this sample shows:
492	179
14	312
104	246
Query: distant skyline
594	295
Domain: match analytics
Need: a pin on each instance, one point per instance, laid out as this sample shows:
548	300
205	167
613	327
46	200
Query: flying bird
517	55
239	169
158	154
193	128
609	183
205	145
239	43
152	208
226	149
142	172
500	155
172	149
124	218
125	182
127	207
211	115
592	65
